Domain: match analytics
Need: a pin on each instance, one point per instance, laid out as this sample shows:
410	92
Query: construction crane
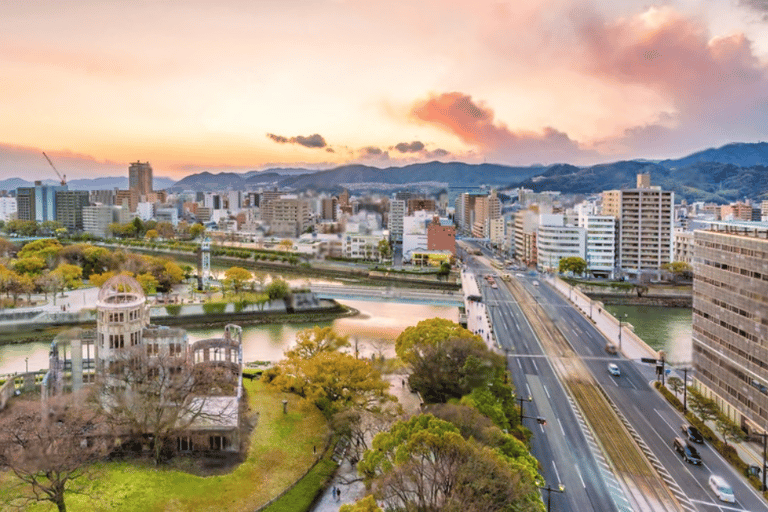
63	178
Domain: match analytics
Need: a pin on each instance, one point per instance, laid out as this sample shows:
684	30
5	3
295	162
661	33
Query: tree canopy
424	463
572	264
428	332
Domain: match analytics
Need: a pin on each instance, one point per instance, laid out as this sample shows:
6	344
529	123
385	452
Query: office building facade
140	177
69	208
730	319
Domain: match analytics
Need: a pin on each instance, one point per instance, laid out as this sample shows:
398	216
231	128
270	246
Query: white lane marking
520	365
557	473
561	426
529	389
580	477
547	392
718	505
535	366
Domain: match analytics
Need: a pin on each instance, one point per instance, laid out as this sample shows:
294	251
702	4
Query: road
653	419
565	448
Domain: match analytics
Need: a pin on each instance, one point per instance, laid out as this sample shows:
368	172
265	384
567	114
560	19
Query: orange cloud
474	124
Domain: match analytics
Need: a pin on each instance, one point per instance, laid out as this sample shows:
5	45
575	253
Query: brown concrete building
129	198
441	236
730	315
328	208
739	211
419	203
140	178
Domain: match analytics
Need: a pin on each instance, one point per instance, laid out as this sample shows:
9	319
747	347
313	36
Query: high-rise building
646	222
328	207
8	208
441	235
730	314
140	177
487	207
25	203
601	243
69	208
396	215
419	203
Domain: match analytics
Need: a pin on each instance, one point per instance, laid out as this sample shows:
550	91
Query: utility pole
560	488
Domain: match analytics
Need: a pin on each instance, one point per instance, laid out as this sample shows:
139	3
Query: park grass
280	452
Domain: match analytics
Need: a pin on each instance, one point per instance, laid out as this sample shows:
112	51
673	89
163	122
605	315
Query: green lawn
281	451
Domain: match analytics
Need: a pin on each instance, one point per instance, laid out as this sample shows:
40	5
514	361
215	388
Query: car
688	452
613	369
692	433
535	283
519	275
721	488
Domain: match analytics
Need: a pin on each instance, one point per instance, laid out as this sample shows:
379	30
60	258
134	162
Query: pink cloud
474	123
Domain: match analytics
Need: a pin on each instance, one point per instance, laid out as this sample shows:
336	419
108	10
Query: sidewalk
751	453
351	492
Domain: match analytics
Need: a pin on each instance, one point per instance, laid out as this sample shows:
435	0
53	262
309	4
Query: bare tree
48	448
151	394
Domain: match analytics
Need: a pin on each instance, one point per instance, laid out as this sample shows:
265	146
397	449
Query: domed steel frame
120	290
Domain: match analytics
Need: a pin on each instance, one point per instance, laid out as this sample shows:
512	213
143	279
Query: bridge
453	298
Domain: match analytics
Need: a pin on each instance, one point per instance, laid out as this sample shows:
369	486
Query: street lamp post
685	389
620	329
560	488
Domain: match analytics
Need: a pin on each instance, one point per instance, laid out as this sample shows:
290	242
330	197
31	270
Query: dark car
692	433
688	452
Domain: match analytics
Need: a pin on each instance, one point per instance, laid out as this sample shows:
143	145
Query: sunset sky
247	84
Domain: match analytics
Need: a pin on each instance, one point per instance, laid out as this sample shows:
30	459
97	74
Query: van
613	369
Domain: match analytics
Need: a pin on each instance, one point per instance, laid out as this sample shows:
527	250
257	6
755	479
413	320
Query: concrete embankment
301	308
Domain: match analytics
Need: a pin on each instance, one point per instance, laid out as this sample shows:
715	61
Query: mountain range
728	173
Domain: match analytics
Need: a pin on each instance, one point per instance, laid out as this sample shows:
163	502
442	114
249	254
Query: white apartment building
396	215
600	243
646	221
684	246
145	211
7	208
167	215
363	246
555	240
96	219
497	230
415	233
526	222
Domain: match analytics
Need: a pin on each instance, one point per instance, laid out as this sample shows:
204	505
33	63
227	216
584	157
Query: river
662	328
374	329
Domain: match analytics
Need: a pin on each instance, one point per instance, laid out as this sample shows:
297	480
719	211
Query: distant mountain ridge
105	183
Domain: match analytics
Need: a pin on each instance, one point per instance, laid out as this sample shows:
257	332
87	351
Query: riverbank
363	274
45	322
671	296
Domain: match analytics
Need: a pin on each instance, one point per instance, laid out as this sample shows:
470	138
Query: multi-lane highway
566	448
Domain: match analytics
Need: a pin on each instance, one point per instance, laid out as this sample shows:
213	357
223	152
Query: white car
721	489
613	369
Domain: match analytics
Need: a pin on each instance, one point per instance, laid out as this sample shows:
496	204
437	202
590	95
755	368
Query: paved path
351	492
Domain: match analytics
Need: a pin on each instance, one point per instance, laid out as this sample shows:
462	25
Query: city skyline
239	85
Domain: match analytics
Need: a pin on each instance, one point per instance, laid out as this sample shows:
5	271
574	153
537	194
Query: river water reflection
377	325
662	328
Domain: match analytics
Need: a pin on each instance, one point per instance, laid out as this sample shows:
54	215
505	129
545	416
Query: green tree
311	342
71	275
6	248
21	227
98	280
236	277
705	408
277	289
152	235
675	384
333	381
572	264
49	227
385	250
428	332
195	230
138	227
730	432
31	265
424	464
367	504
46	249
679	269
148	283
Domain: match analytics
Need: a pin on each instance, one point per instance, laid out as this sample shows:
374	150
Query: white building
145	211
7	208
600	242
497	230
396	215
167	215
415	233
363	246
555	240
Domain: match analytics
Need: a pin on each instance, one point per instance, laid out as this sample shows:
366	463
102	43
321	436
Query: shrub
173	309
214	308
